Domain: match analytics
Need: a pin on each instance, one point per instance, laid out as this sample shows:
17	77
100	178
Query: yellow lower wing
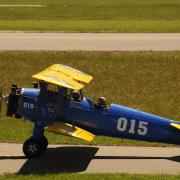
177	126
69	130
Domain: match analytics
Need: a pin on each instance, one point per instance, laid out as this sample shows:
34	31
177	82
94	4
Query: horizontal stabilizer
177	126
69	130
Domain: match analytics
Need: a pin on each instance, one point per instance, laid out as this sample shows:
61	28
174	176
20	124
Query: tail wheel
33	148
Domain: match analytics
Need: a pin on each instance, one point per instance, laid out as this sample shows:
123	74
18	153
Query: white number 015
122	126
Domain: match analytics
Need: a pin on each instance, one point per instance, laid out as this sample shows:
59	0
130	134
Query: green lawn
114	176
149	81
92	16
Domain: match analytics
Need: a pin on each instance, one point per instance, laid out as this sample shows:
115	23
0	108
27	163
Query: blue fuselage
114	121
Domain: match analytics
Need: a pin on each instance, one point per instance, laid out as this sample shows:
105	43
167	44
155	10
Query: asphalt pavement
91	159
90	41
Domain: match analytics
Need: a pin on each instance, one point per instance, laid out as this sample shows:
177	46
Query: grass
129	26
91	176
92	16
149	81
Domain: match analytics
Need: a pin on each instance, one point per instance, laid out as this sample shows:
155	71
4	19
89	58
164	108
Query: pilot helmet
76	95
102	101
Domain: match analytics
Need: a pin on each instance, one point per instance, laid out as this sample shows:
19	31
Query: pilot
101	102
76	96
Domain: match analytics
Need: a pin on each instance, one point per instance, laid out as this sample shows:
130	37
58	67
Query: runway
91	159
90	41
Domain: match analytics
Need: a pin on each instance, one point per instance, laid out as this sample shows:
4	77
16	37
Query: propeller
1	97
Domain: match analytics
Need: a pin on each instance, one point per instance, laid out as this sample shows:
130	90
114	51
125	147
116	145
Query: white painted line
22	5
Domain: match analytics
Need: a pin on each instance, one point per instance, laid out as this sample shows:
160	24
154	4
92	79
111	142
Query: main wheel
33	148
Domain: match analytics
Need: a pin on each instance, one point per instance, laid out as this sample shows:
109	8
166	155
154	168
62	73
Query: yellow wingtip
80	133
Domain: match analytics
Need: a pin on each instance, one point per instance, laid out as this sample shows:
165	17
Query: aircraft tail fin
70	130
177	126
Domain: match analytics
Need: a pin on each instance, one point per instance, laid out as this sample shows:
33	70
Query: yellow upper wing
64	76
74	73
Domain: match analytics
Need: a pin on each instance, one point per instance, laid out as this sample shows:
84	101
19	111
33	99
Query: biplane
56	103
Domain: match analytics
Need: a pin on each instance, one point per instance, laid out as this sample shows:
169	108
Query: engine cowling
12	101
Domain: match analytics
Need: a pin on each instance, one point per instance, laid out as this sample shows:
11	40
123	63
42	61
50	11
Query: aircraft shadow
69	159
61	159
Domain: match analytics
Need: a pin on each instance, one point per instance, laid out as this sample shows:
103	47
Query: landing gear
33	148
44	143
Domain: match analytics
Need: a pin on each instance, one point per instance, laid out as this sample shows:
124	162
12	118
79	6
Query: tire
44	142
32	148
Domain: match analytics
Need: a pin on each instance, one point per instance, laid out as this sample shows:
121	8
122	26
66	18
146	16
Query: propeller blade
1	97
5	98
